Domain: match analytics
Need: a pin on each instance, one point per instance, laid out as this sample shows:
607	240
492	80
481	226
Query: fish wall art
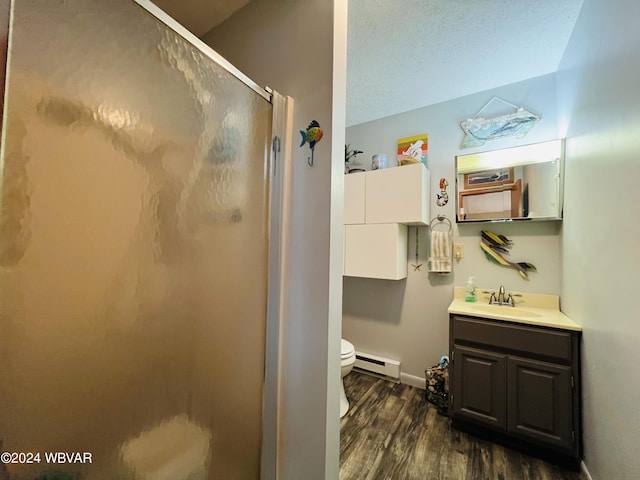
479	130
312	135
496	246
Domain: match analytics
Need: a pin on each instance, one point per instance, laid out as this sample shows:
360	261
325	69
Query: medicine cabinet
519	183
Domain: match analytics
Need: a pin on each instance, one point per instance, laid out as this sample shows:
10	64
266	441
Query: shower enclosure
138	244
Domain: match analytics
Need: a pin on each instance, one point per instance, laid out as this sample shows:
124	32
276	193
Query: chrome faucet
502	298
501	295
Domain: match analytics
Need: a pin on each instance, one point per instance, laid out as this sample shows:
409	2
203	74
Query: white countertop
531	308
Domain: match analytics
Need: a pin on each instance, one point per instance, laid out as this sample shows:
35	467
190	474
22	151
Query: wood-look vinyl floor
392	433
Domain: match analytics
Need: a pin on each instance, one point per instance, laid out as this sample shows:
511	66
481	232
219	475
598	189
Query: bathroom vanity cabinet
378	206
519	383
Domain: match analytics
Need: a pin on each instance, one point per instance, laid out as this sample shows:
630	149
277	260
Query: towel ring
436	264
442	220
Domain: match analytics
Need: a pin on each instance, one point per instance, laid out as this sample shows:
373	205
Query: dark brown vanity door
479	386
540	399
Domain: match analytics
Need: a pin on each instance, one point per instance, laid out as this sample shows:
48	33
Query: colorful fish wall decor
496	246
312	135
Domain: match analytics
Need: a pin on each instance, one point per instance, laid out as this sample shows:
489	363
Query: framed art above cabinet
519	183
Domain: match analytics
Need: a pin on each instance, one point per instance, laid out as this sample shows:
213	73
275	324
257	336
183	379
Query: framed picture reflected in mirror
488	178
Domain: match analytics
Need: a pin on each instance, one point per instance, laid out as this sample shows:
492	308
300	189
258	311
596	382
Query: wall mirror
511	184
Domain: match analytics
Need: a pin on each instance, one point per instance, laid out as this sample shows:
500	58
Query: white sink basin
504	310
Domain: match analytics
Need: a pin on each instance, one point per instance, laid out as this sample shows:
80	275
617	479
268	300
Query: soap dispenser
470	291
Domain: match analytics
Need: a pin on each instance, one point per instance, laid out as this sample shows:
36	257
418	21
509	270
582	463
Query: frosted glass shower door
133	250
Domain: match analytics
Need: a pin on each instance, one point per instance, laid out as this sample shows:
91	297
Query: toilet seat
346	349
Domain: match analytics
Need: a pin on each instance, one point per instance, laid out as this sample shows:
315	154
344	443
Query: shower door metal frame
279	193
278	174
203	47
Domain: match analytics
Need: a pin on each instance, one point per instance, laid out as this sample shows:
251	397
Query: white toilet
347	359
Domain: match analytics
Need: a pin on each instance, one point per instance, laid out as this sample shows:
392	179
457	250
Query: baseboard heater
378	366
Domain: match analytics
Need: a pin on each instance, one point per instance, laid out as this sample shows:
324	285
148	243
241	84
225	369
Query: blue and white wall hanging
479	130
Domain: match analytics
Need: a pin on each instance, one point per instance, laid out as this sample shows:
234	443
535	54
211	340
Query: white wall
294	48
407	319
599	106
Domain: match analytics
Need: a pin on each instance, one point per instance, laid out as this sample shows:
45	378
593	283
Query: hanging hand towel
440	252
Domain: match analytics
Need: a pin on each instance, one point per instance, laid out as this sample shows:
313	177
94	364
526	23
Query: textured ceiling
407	54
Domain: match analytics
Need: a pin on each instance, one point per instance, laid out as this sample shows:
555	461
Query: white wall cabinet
398	195
376	251
379	204
390	195
354	198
